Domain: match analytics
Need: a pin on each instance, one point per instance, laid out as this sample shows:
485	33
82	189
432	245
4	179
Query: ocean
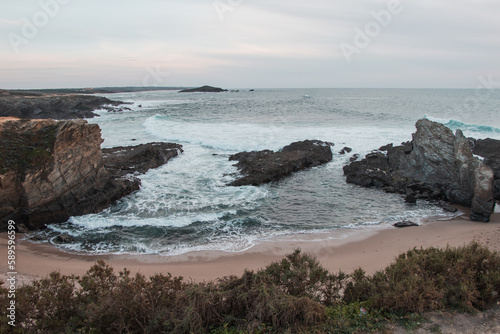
186	206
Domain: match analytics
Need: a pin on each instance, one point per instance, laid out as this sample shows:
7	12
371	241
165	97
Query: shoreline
371	249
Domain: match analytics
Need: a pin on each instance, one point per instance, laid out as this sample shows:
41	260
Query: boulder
436	164
345	150
267	166
404	224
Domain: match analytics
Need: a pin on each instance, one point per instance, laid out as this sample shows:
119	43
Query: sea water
185	205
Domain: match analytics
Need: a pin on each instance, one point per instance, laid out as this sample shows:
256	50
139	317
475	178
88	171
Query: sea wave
477	129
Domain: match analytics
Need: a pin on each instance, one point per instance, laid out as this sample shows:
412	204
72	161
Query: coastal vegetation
294	295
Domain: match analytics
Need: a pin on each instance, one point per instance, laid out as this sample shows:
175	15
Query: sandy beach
371	249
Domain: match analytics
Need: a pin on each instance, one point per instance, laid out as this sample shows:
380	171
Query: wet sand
371	249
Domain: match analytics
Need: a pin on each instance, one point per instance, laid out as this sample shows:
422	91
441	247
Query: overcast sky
249	43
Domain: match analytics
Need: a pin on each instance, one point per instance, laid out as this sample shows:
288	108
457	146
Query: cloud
294	43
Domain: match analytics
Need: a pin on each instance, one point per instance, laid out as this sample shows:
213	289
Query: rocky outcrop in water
131	159
436	164
50	171
47	106
268	166
204	89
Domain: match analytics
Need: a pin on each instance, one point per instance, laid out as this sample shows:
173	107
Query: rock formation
268	166
52	170
489	149
203	89
436	164
125	160
46	106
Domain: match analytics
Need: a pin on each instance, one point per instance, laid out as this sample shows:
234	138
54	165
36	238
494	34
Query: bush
296	293
421	280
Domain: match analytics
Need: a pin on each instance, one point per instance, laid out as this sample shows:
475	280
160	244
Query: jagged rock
268	166
52	170
203	89
345	150
435	162
385	148
404	224
124	160
46	106
354	157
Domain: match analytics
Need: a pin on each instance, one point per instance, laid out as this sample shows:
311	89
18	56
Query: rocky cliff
268	166
46	106
437	164
52	170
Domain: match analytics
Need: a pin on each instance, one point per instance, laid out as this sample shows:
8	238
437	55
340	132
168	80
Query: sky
249	43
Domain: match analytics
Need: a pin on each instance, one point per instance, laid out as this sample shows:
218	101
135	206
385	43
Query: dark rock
447	207
64	238
354	157
407	147
204	89
410	198
252	90
489	149
45	106
345	150
405	223
390	190
436	162
268	166
371	171
386	148
125	160
21	228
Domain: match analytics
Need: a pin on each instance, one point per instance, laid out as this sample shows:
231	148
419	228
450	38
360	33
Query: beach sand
371	249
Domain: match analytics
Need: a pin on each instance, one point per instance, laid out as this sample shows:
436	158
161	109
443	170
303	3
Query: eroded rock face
268	166
489	149
51	170
436	165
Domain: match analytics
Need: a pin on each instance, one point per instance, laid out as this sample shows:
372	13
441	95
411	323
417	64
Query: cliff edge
52	170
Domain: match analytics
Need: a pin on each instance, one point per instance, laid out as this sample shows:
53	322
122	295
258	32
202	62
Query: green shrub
430	279
302	275
295	294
